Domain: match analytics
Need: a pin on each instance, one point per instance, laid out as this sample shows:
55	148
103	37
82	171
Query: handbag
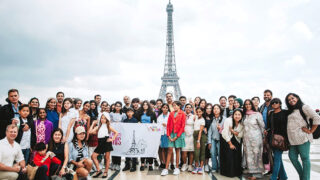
31	171
278	141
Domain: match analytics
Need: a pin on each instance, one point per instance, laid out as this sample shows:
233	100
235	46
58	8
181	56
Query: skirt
230	160
178	143
164	141
189	144
103	146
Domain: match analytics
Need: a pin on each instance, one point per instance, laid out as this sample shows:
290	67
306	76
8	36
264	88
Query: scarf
250	112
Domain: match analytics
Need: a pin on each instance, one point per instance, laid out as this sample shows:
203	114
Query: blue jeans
278	168
215	154
303	150
26	155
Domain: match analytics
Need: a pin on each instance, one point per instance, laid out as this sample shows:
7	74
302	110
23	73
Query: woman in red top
43	160
175	133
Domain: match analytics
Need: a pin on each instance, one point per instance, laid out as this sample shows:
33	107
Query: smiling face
81	136
57	136
236	104
216	111
60	97
169	98
223	102
78	105
158	104
267	96
292	100
104	107
13	97
176	107
237	116
199	113
52	104
231	101
188	109
247	105
67	105
86	107
34	103
12	133
42	114
24	112
165	109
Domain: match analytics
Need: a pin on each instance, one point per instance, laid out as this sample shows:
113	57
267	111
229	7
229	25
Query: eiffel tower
170	77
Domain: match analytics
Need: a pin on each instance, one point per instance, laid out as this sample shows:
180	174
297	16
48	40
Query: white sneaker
184	167
164	172
200	170
206	168
190	168
195	170
117	168
176	171
213	170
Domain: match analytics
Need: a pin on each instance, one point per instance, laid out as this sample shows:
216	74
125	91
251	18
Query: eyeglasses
275	103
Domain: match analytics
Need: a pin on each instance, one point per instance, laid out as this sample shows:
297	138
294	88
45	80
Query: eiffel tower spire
170	77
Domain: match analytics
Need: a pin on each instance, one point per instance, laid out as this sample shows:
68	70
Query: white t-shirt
26	137
9	153
198	123
103	131
163	119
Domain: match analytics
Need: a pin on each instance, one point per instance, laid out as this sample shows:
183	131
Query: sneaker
172	167
190	168
141	168
117	168
111	166
213	170
150	168
126	167
200	170
206	168
195	170
176	171
162	166
164	172
184	167
156	163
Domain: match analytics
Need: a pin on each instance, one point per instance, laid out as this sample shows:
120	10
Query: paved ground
155	175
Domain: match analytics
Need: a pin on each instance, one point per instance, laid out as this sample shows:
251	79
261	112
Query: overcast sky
117	47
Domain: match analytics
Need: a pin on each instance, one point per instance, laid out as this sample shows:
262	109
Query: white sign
136	139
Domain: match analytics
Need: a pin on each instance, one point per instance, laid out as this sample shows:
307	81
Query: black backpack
316	133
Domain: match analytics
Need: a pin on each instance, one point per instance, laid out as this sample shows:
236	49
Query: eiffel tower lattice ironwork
170	77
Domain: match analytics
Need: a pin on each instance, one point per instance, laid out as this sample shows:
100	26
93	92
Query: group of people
69	136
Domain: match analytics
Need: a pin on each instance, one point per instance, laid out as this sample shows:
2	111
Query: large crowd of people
68	137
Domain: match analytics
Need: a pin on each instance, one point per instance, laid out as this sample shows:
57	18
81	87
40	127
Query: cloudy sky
117	48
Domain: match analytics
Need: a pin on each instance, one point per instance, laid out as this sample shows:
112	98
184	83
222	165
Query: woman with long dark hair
208	117
162	119
52	113
188	150
252	141
90	107
66	119
300	133
34	107
231	145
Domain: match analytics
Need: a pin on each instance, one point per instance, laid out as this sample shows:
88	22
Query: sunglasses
275	102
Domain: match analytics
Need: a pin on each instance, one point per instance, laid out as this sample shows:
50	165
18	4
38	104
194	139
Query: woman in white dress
189	148
66	120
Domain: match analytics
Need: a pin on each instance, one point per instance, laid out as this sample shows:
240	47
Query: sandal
105	175
98	173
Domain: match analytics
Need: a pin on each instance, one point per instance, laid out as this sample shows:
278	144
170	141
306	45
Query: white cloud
302	29
296	60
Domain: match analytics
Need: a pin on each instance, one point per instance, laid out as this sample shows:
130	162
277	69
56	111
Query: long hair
149	110
164	104
197	110
63	110
100	123
38	113
205	114
252	106
205	104
37	108
93	111
221	111
47	104
298	105
74	139
233	121
52	144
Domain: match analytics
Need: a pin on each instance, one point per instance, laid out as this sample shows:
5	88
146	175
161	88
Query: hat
107	115
80	129
240	101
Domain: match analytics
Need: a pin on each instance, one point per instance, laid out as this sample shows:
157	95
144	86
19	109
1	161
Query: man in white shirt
10	151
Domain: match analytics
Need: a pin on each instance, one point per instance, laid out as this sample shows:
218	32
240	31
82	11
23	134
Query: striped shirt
296	122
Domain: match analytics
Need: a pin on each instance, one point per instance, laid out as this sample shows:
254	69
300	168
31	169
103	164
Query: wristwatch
198	141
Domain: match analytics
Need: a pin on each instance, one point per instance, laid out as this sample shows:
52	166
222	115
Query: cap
80	129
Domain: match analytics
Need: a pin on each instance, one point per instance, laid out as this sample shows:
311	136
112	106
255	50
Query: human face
197	100
130	114
108	108
93	106
292	100
118	107
237	116
126	100
57	136
183	101
176	107
135	105
199	113
12	133
78	105
188	109
159	104
104	107
256	102
81	136
52	104
60	97
86	107
67	105
203	104
216	111
43	152
97	99
223	102
169	98
165	109
13	97
34	103
236	104
103	119
208	109
42	114
145	106
275	105
248	105
231	101
24	112
267	96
